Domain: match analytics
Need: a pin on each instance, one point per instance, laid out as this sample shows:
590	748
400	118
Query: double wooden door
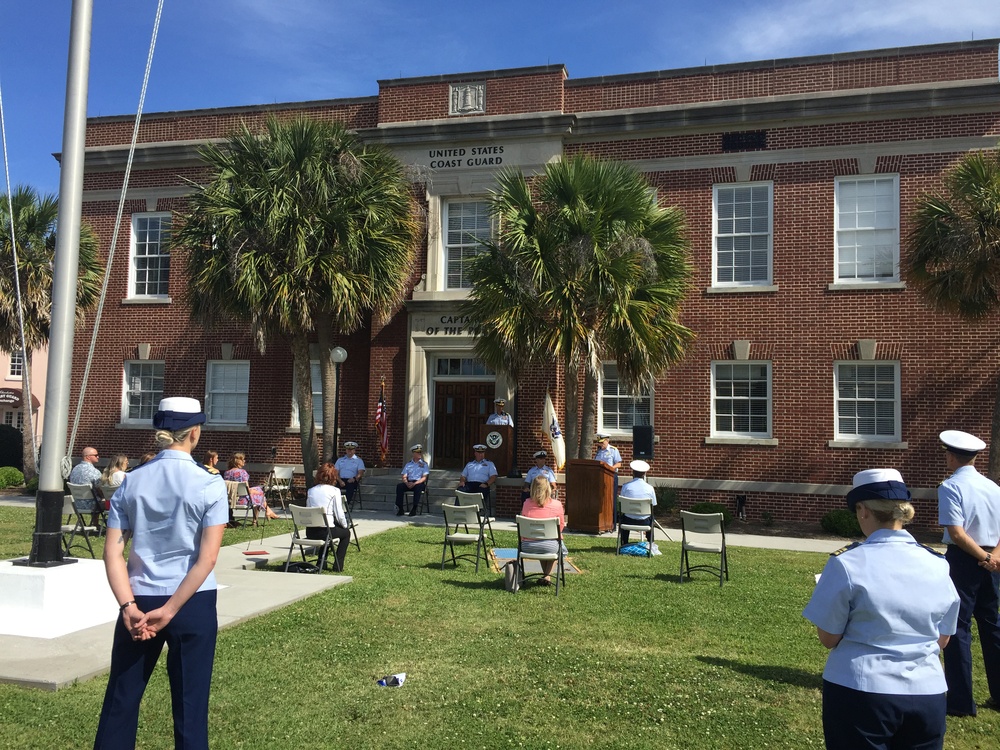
460	408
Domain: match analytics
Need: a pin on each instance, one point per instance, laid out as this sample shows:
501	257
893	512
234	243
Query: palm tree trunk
993	468
572	408
328	377
28	433
303	398
589	421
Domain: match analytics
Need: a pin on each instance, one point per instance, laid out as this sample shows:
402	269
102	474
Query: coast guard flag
550	424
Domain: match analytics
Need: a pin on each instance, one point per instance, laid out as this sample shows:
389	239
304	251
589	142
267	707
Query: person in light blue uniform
969	510
414	480
350	470
499	416
174	512
479	475
607	453
637	489
540	469
885	608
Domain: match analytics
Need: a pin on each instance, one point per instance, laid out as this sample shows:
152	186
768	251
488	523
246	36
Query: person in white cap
350	470
969	510
479	475
414	476
637	489
607	453
540	468
174	512
499	416
885	608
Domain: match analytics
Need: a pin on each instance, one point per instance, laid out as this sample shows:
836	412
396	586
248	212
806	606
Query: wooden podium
589	497
499	442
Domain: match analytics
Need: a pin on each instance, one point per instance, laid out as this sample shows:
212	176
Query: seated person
479	476
414	476
638	488
541	504
86	472
539	469
211	459
350	470
113	475
236	473
325	494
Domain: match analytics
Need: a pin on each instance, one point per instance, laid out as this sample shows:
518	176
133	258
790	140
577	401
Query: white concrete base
52	602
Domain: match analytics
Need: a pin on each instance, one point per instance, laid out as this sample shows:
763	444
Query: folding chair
476	498
540	530
279	485
88	502
639	507
303	518
425	498
76	526
350	521
244	503
463	516
703	532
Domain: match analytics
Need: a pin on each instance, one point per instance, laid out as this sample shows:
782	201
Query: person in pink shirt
541	504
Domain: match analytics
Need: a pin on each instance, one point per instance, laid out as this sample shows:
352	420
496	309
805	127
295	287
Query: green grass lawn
625	657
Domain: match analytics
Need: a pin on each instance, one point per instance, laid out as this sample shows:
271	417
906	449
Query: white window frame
715	397
619	395
163	246
14	418
154	398
464	245
875	216
869	397
213	395
317	394
744	231
16	362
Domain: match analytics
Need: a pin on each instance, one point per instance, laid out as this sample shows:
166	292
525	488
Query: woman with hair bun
885	608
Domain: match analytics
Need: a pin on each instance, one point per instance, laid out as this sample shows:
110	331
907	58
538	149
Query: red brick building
813	359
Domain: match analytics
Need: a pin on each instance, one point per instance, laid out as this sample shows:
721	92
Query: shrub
10	477
713	508
11	447
666	500
31	486
767	518
841	522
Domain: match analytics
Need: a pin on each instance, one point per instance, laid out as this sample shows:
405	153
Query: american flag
382	423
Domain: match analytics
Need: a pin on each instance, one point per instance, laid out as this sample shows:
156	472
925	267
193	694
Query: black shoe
991	704
413	512
399	511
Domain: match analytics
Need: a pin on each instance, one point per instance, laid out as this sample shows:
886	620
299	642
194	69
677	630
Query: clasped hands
143	626
992	564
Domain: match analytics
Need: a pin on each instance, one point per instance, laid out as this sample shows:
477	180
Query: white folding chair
703	532
88	502
637	507
76	526
463	516
303	518
476	498
279	485
540	530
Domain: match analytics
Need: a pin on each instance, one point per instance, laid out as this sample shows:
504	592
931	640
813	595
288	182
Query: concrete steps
378	490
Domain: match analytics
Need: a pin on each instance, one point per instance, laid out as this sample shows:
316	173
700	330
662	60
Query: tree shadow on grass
769	672
492	583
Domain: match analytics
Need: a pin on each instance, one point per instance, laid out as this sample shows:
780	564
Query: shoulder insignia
138	466
202	466
931	550
842	550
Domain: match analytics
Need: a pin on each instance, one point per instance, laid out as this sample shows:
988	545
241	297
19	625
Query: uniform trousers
855	720
350	490
978	597
624	534
190	640
343	537
417	490
472	488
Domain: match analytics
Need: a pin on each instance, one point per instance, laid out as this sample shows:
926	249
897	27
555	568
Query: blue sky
213	53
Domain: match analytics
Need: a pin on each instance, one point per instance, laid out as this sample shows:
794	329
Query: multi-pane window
622	409
227	392
867	395
14	419
150	255
467	225
742	236
867	228
462	366
143	390
16	365
741	399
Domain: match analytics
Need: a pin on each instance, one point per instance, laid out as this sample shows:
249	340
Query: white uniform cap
178	413
541	454
639	465
871	476
350	444
602	436
961	442
479	447
418	448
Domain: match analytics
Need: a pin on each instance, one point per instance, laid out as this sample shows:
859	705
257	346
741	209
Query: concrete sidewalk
54	662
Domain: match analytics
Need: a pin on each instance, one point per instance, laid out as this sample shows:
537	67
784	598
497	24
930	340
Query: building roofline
475	75
788	62
255	109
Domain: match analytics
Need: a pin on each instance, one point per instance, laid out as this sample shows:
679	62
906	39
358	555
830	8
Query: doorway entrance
460	408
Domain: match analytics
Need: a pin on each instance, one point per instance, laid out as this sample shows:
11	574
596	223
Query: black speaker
642	441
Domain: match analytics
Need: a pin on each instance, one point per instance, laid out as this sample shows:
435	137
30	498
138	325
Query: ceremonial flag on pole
382	423
550	425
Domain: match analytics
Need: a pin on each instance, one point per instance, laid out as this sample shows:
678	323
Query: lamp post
339	356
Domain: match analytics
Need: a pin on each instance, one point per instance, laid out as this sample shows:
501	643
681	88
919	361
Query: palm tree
954	251
35	236
584	267
301	228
